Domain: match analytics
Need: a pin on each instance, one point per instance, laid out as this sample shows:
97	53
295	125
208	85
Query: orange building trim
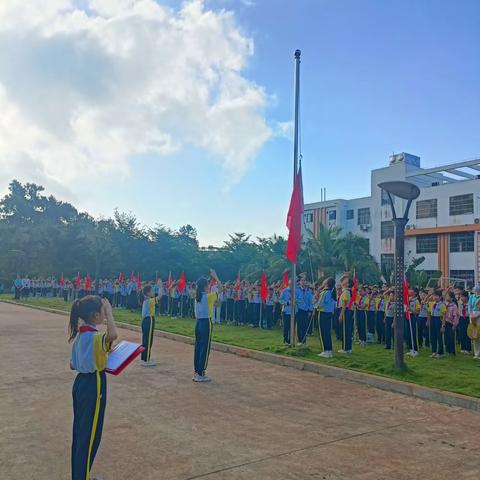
473	227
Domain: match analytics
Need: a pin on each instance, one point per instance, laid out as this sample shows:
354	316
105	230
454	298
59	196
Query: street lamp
407	191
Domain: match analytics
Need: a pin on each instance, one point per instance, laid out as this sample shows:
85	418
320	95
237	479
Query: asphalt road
254	421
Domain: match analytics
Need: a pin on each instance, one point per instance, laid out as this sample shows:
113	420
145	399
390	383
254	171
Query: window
384	197
468	275
350	214
427	244
462	242
387	261
427	208
387	230
308	217
461	204
363	216
332	215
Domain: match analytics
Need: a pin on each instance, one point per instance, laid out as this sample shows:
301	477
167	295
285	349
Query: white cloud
85	85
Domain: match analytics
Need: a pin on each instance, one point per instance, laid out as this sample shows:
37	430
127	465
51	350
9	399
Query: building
444	225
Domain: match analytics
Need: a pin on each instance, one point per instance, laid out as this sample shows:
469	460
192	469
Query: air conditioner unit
477	221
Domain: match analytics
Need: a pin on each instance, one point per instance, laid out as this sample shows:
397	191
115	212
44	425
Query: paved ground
254	421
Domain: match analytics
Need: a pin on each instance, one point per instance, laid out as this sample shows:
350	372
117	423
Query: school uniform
437	311
451	323
346	303
380	320
89	358
325	306
362	307
256	304
410	328
464	320
285	299
148	327
268	316
371	320
203	331
230	294
304	299
241	306
422	325
389	313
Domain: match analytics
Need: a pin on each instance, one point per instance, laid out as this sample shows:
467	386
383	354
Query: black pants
203	339
148	327
337	325
413	333
465	342
241	311
286	328
362	325
89	401
268	316
388	332
347	330
421	331
230	305
380	326
324	331
436	337
302	325
17	293
449	339
371	323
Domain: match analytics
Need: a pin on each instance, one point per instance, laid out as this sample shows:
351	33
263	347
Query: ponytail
74	317
83	309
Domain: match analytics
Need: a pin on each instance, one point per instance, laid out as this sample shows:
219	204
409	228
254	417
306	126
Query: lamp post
407	191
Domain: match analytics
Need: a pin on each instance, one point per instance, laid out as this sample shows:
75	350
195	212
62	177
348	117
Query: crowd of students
439	319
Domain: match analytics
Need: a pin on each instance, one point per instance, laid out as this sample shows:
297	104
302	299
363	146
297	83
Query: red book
121	356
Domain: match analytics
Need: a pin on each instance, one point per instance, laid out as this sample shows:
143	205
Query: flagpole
295	170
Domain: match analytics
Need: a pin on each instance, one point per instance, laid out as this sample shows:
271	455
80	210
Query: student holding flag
204	301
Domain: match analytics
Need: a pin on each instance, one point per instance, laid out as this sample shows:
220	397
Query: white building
444	225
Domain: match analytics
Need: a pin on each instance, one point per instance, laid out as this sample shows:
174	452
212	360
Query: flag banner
264	288
182	283
285	279
294	219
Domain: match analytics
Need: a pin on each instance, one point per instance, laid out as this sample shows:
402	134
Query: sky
181	112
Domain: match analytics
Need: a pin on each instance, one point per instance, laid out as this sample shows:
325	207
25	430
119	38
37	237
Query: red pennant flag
139	283
62	281
120	277
77	281
264	288
182	283
353	297
406	302
132	276
88	282
294	219
285	280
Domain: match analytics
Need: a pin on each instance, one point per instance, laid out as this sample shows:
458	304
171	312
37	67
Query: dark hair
84	309
438	293
452	296
201	284
146	290
331	287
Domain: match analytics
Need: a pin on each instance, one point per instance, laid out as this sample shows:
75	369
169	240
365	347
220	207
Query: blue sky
377	77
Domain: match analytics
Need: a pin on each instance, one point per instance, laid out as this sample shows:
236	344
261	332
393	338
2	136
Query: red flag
62	281
353	297
132	276
406	302
88	282
120	277
182	283
77	281
170	281
139	283
285	279
264	288
294	219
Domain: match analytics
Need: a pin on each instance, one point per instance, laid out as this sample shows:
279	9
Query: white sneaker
197	377
150	363
206	378
412	353
324	355
348	351
342	351
143	363
433	355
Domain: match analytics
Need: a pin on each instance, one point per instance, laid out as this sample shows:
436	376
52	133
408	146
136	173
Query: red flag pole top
264	288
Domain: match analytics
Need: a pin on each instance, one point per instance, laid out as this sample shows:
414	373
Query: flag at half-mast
294	219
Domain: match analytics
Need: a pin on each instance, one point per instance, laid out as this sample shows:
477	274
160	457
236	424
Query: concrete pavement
255	420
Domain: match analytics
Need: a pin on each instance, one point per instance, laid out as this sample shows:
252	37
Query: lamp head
405	190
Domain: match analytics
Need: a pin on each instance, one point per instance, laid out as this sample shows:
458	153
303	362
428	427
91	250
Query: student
326	305
89	358
304	302
451	322
380	318
422	320
203	328
410	328
389	312
285	300
346	314
267	318
148	324
362	308
372	294
474	325
437	322
465	342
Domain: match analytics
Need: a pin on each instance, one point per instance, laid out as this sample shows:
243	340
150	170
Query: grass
459	374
